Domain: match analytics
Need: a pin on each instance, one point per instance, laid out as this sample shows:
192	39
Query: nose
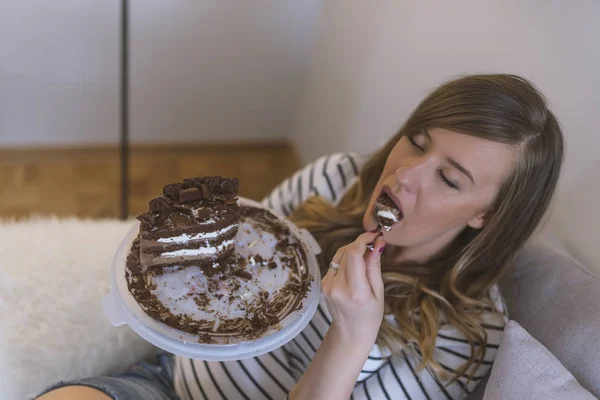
409	175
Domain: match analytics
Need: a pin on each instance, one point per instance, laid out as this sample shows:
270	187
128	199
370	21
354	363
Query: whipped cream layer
185	238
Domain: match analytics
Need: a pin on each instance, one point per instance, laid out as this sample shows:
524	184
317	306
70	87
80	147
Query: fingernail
380	233
382	248
373	231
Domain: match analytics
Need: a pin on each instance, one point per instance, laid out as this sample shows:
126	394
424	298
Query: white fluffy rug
53	274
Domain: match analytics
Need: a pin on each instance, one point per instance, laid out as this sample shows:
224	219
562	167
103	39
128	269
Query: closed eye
414	144
448	181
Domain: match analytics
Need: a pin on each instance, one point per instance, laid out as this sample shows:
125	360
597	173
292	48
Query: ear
479	220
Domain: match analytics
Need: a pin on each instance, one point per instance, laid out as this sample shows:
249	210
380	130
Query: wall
373	64
219	70
200	70
58	72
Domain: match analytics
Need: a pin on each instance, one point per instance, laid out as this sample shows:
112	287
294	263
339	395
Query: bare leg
74	393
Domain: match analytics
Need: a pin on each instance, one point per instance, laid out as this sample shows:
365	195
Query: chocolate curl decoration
206	193
231	185
227	187
189	195
214	184
147	221
203	188
171	190
160	203
195	182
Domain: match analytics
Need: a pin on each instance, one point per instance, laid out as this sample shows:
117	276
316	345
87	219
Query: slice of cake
193	223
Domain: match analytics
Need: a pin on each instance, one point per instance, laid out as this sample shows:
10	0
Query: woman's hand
354	296
354	291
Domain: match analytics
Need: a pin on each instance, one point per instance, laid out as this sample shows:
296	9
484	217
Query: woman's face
442	181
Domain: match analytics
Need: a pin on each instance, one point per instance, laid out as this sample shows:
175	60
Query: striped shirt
383	376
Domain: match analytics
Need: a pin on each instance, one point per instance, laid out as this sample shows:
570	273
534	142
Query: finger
337	258
340	257
358	248
354	267
327	278
328	281
366	238
373	264
329	275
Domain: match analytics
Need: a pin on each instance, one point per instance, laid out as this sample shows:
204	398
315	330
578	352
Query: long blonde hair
500	108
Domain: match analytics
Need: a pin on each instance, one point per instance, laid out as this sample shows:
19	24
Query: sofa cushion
525	369
557	300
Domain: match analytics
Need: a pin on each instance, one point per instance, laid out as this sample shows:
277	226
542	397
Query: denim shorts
140	381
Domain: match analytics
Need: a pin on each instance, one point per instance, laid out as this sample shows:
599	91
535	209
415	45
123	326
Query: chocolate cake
257	276
385	212
192	222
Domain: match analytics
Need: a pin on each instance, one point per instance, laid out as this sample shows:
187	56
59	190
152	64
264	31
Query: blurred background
255	89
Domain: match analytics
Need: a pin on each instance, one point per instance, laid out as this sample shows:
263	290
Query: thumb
373	261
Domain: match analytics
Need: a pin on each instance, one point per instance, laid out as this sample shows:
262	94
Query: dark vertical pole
124	109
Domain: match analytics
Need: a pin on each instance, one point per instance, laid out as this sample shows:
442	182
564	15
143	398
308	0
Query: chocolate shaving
240	273
202	300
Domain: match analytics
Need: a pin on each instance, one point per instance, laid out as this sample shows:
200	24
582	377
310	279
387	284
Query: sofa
557	301
54	273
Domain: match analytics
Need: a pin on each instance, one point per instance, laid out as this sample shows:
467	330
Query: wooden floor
85	182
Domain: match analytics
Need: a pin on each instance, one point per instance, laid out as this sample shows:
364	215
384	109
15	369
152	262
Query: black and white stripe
328	176
272	375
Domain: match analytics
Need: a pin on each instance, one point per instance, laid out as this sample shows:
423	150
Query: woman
472	172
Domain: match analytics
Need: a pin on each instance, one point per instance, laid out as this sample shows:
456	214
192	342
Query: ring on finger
334	265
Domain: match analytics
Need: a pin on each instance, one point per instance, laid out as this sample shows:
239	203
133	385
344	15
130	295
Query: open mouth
385	212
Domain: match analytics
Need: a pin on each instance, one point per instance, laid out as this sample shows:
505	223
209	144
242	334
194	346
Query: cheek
439	211
446	212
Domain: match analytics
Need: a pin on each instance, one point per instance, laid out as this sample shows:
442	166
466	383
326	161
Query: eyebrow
452	161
